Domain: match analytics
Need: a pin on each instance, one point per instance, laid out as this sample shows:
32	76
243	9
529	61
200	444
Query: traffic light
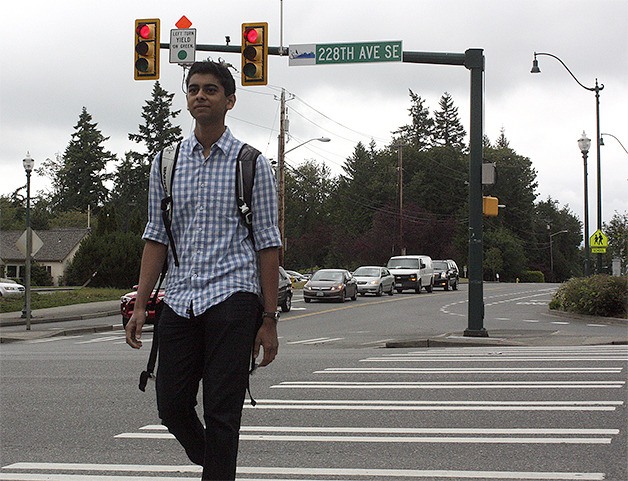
255	53
490	207
146	65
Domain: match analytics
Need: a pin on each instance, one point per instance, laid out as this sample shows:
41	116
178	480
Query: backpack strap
245	177
167	164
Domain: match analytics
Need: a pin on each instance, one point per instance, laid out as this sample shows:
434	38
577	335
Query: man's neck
208	135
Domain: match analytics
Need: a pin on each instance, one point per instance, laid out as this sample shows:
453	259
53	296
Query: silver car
374	280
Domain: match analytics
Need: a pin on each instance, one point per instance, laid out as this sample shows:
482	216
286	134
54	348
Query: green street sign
334	53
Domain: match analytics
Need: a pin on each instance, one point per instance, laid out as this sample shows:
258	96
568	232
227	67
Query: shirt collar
223	143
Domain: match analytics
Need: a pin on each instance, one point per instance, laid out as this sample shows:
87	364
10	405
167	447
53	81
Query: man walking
223	280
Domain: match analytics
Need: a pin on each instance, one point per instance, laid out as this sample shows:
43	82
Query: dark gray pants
214	347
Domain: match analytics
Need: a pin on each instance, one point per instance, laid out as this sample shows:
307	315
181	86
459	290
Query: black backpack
245	177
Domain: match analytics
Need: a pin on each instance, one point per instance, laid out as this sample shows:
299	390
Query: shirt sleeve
155	230
264	206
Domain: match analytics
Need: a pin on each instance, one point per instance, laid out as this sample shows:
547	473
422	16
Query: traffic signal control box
146	63
255	53
490	207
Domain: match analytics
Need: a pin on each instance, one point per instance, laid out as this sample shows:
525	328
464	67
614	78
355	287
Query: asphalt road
337	404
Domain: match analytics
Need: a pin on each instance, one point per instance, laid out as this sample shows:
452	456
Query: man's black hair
220	70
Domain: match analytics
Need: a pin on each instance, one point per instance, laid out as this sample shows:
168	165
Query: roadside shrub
532	276
600	295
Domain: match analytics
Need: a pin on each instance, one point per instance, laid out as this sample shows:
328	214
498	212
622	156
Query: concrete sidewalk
60	321
96	317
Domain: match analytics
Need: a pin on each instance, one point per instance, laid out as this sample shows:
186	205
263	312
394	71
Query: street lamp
596	89
551	252
281	188
584	143
320	139
28	164
611	135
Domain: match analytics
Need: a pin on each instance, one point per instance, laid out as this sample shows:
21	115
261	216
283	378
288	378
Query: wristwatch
274	315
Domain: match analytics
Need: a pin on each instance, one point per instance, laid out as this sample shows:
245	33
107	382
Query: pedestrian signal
255	53
146	53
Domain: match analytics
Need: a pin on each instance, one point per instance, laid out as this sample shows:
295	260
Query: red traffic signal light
255	53
146	55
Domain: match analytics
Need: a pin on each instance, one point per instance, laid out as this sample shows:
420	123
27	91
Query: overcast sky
60	56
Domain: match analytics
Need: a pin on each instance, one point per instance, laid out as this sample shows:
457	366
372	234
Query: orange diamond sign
184	22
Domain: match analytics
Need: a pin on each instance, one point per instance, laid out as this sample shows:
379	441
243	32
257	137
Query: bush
599	295
532	276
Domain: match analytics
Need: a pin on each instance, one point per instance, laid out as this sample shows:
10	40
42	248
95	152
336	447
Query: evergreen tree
420	131
78	177
617	232
448	129
130	194
157	131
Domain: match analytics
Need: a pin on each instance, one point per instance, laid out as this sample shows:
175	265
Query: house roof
57	244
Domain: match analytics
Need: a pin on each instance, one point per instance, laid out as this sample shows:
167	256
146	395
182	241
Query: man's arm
269	278
152	262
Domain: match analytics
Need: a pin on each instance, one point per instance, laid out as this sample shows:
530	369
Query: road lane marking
51	339
305	474
470	370
451	385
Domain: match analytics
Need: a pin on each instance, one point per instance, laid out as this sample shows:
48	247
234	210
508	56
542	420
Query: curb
29	335
76	317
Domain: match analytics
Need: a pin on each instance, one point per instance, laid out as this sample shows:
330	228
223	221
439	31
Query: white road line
424	439
307	340
451	385
381	341
491	359
597	325
374	430
101	339
51	339
470	370
305	474
381	405
559	322
530	320
319	340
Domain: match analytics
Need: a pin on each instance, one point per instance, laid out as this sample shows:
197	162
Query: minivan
412	272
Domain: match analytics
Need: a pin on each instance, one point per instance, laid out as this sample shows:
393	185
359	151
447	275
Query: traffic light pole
473	60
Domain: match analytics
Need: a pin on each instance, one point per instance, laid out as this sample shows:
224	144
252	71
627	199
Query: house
58	249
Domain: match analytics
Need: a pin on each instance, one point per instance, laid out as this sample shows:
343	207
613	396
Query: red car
127	303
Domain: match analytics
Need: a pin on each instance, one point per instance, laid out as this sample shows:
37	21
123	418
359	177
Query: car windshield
403	263
366	272
442	265
334	276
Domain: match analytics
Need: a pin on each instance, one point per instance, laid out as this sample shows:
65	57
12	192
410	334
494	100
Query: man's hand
133	329
266	338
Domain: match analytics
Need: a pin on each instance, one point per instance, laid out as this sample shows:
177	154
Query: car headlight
337	287
374	283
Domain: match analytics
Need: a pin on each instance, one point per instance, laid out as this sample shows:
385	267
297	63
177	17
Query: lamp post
551	252
28	164
596	89
281	186
584	143
611	135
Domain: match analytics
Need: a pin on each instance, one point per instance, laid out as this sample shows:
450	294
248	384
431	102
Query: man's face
206	99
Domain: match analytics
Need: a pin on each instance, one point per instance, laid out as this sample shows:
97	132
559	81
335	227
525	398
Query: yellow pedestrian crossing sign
598	242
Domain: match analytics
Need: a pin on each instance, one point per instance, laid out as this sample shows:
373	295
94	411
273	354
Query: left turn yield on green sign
182	45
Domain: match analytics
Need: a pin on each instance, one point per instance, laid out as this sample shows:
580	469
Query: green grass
61	298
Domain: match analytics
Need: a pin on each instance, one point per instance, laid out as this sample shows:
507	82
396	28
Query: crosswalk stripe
305	474
410	370
467	359
451	385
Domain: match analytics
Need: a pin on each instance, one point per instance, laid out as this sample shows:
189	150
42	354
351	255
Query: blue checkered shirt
216	257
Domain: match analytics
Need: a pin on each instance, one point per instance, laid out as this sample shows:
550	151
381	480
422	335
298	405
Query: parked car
412	272
127	301
296	276
332	284
127	304
9	287
284	293
374	280
446	274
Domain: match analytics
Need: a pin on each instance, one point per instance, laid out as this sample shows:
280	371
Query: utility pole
281	176
402	249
